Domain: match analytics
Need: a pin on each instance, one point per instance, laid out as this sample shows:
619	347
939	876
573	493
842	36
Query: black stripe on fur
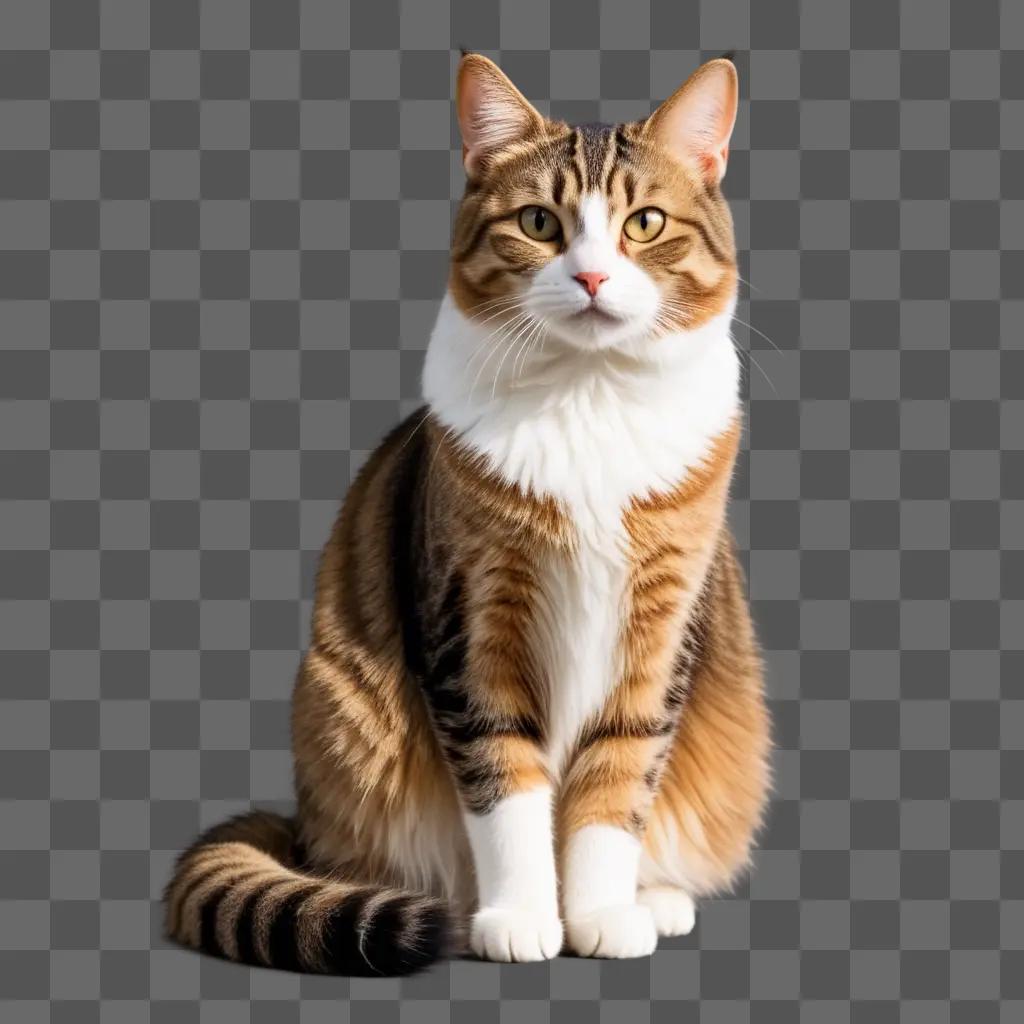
245	933
208	919
282	944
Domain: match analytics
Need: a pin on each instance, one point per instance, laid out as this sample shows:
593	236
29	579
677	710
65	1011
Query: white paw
510	935
674	912
616	932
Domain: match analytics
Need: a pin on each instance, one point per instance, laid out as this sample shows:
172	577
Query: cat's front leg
488	715
602	915
513	852
606	801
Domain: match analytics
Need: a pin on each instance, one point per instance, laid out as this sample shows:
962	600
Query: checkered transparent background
224	234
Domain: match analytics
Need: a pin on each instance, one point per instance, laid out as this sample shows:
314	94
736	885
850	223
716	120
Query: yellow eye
645	225
539	224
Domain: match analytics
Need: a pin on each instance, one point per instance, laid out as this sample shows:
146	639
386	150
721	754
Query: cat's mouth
594	327
593	315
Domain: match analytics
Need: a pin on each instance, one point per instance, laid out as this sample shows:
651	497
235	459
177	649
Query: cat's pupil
538	220
643	221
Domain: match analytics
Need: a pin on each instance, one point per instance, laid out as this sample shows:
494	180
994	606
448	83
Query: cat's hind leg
673	910
714	788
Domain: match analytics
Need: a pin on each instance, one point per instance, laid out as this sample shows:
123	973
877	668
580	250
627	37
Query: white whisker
524	352
497	331
497	373
757	330
523	317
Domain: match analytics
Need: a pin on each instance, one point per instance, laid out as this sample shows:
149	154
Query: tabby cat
531	710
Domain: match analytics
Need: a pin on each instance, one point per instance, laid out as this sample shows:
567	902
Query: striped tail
238	892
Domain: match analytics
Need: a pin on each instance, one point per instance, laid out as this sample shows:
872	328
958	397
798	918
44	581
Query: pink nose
591	280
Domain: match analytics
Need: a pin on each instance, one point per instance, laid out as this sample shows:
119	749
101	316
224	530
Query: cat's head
605	234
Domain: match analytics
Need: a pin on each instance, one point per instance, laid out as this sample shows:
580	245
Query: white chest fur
591	430
578	630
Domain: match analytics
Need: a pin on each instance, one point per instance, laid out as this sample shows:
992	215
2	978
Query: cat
532	708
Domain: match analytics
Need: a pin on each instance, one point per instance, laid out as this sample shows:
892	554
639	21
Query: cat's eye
645	225
539	224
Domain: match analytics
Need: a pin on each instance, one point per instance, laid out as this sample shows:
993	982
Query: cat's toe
617	932
511	935
673	910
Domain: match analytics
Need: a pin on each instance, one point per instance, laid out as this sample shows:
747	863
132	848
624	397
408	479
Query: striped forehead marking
594	142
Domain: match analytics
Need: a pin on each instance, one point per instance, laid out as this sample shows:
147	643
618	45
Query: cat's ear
696	121
492	112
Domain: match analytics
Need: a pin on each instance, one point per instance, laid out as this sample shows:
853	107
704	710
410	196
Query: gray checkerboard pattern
224	229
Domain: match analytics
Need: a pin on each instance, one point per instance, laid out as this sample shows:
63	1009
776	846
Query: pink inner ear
697	120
